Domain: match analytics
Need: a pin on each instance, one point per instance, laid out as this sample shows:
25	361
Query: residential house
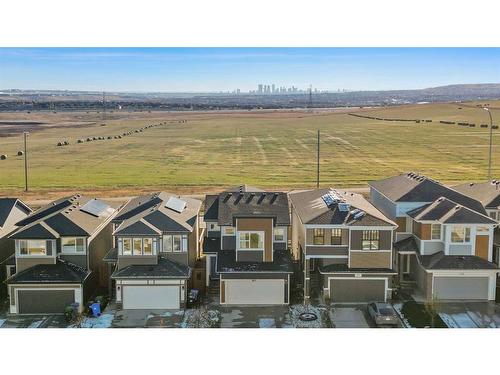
488	193
344	244
58	255
444	240
246	246
157	251
12	210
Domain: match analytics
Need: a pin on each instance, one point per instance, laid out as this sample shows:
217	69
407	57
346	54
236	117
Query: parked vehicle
382	313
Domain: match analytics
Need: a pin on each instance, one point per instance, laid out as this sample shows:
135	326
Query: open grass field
270	149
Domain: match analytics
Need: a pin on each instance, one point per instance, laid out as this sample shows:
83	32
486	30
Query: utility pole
491	142
317	165
25	135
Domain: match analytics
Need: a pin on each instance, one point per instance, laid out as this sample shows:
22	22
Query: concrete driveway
350	316
254	317
470	314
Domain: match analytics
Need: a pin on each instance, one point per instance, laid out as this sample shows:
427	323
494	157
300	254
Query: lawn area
270	149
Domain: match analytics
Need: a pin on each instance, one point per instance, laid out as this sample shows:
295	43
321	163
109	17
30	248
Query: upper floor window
371	240
336	236
279	234
175	243
137	246
229	231
460	234
251	240
318	236
35	247
73	245
127	246
495	215
435	231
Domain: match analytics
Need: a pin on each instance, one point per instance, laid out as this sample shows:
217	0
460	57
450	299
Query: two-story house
12	210
488	193
344	244
445	238
156	250
58	255
246	246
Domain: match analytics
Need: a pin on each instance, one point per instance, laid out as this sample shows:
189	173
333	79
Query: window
279	234
495	215
336	236
33	247
73	245
371	240
229	231
435	231
127	246
460	234
318	236
213	227
148	246
251	240
176	243
137	246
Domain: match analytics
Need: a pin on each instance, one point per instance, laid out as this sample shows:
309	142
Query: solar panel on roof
344	207
176	204
97	208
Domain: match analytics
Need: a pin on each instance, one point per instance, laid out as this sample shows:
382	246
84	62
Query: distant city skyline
240	70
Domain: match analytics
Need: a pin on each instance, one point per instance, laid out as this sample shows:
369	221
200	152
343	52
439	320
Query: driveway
469	314
33	321
352	316
254	317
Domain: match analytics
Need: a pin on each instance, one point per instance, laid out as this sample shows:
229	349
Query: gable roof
412	187
148	215
488	193
9	216
231	205
446	211
68	216
211	208
312	209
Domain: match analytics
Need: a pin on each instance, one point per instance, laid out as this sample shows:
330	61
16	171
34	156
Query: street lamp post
491	142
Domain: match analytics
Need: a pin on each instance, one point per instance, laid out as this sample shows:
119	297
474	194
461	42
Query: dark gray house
444	240
157	251
58	255
246	246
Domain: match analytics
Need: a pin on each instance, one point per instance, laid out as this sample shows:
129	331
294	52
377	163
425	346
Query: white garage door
255	292
461	288
151	297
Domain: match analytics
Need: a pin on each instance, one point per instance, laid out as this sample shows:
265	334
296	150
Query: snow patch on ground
200	318
36	324
295	312
267	323
166	314
103	321
2	321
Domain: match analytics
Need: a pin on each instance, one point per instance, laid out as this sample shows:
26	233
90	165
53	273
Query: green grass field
267	149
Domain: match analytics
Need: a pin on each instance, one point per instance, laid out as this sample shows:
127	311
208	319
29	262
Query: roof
244	189
488	193
312	209
148	215
211	208
231	205
446	211
8	217
111	256
58	273
439	261
343	268
282	263
165	269
412	187
407	244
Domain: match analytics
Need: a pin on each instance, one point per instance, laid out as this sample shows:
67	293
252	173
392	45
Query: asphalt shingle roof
439	261
6	205
343	268
165	269
282	263
58	273
407	244
488	193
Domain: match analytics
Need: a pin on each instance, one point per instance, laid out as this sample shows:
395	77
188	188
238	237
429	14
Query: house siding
259	224
385	238
370	259
23	263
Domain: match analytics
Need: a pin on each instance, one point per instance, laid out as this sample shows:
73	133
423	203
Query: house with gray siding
156	255
246	246
444	240
12	210
344	245
58	255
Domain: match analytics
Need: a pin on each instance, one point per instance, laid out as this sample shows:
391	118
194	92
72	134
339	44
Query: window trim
371	240
316	236
74	251
224	229
182	249
19	247
284	234
339	237
262	235
465	229
432	231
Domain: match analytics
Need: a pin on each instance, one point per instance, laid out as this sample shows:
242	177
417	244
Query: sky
226	69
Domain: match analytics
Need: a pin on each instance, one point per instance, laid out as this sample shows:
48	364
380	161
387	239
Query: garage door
461	288
254	292
44	301
357	290
151	297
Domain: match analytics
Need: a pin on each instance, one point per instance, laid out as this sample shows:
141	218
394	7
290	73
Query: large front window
73	245
371	240
319	237
460	234
251	240
436	231
33	247
175	243
336	236
138	246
